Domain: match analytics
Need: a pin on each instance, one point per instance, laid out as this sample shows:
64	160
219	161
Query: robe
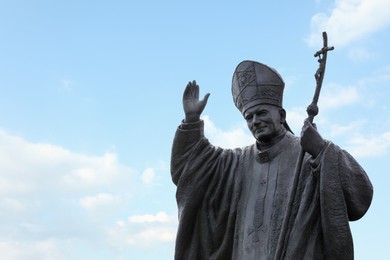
232	202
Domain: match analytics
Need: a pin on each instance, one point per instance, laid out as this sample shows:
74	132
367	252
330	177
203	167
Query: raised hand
193	107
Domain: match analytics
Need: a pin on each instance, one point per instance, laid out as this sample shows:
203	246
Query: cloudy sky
90	97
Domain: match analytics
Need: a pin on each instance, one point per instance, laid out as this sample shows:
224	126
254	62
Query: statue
242	203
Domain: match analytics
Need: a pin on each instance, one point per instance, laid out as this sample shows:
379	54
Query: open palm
193	107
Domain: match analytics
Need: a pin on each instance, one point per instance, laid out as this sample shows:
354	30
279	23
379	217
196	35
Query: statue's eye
249	117
261	113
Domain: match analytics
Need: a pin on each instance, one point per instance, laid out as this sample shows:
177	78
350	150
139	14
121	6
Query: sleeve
207	194
187	136
345	195
356	186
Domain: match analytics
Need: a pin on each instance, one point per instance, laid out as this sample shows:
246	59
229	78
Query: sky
91	96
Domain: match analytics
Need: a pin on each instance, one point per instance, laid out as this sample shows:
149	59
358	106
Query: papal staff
312	111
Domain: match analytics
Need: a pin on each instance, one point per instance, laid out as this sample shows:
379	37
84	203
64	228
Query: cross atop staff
312	109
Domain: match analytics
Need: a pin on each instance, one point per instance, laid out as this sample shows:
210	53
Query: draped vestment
232	202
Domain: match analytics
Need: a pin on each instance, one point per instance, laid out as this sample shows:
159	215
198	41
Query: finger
302	133
308	124
191	90
305	125
195	89
187	90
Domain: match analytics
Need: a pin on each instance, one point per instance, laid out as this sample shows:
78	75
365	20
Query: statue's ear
282	116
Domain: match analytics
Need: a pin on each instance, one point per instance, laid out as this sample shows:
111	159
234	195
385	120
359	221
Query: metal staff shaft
312	111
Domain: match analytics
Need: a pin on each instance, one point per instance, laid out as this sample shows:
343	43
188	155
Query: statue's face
265	122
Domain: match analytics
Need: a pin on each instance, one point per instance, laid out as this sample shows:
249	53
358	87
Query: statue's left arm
338	168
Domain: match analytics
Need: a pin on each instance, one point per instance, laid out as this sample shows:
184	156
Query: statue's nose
256	119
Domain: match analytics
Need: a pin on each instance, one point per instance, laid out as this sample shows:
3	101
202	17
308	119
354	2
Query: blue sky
91	97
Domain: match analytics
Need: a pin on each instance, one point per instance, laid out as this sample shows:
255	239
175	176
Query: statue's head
255	88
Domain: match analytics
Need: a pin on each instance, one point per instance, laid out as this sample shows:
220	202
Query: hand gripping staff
312	111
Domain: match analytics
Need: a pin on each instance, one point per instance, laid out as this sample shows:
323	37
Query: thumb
205	99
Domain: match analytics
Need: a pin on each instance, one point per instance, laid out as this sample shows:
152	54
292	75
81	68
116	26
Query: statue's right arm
190	132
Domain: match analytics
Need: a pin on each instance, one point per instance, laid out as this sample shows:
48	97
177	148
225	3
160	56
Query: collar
264	156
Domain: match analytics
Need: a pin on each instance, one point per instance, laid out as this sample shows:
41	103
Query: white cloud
46	249
336	96
157	234
100	200
151	176
36	168
144	231
360	54
233	138
337	130
12	205
148	218
40	167
148	176
361	146
350	20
